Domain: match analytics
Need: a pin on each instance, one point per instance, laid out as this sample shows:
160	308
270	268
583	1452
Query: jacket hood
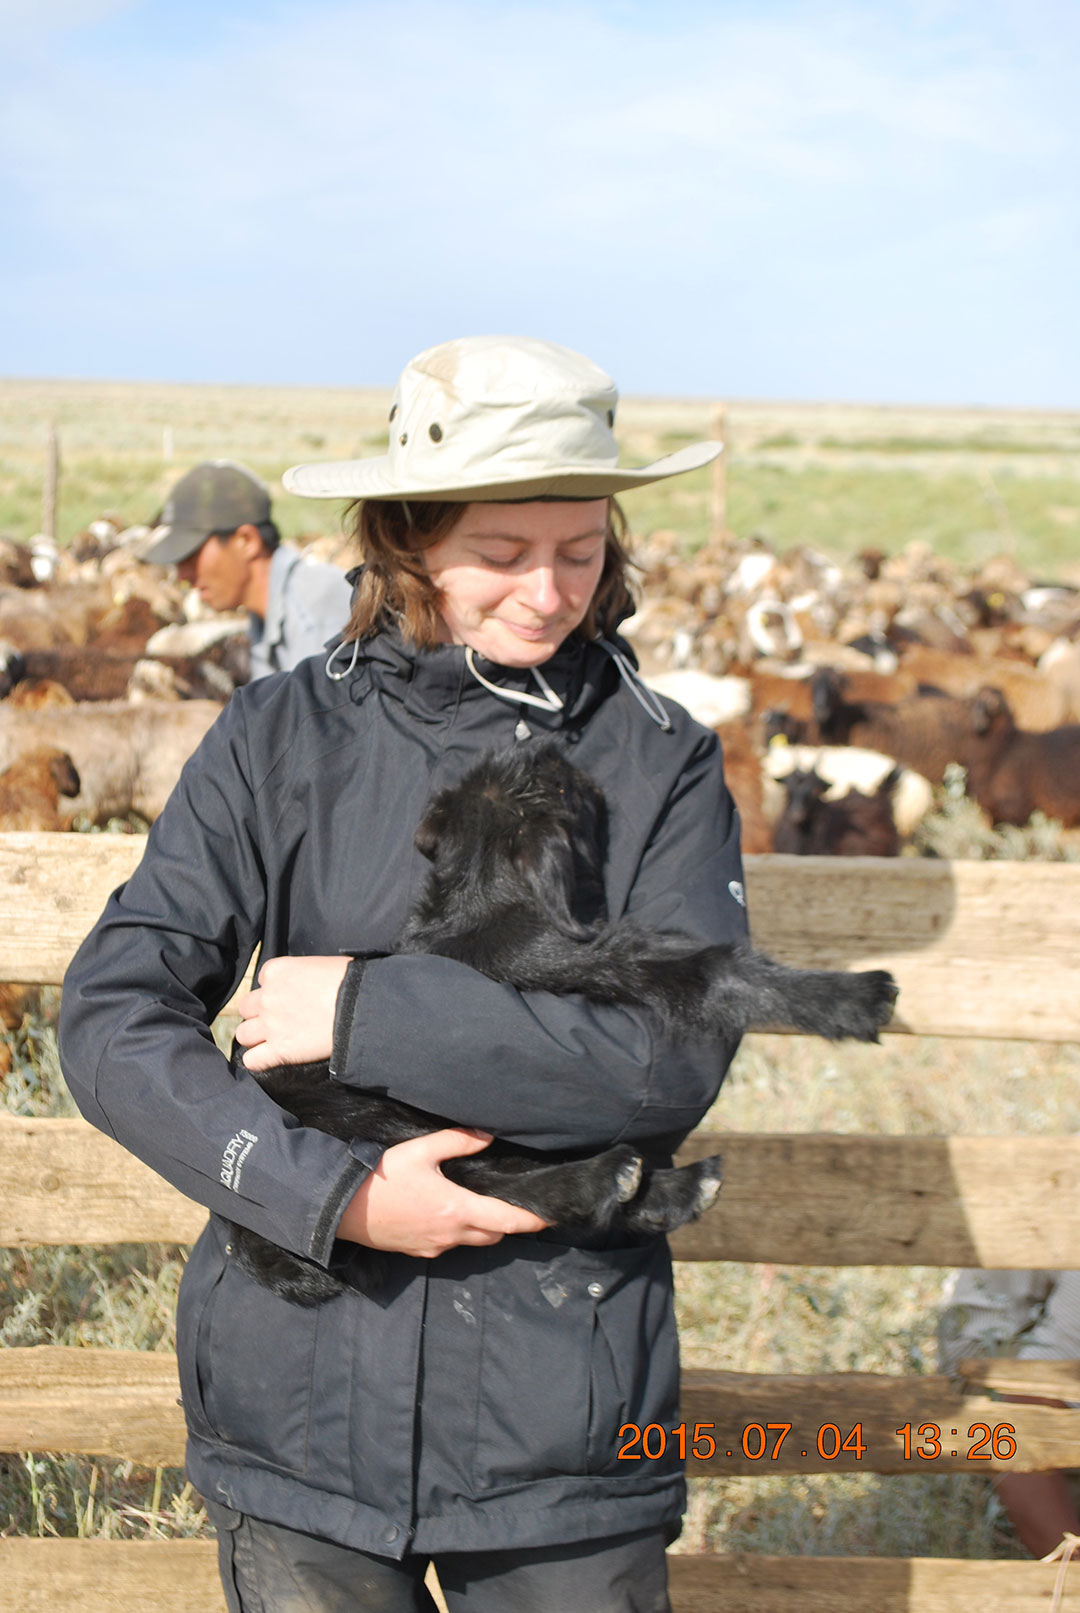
431	682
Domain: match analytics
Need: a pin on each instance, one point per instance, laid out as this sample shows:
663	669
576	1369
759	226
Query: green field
971	483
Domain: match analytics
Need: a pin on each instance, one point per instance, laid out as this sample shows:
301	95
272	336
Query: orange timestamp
764	1442
759	1441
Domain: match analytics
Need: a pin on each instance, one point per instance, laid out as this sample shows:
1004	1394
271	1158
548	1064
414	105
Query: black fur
516	892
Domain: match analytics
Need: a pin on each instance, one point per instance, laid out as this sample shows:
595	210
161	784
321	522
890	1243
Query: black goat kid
516	892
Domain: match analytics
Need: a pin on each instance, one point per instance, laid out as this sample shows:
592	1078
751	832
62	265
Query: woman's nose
541	591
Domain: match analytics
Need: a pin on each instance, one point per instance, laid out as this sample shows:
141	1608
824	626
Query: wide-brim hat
493	418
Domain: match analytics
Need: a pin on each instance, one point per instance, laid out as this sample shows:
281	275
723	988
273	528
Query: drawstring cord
645	697
339	676
549	701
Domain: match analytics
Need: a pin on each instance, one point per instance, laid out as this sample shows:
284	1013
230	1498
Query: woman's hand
289	1017
409	1206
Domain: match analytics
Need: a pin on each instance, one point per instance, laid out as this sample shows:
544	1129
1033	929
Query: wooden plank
790	1199
823	1410
123	1403
110	1576
747	1584
980	949
890	1201
52	890
180	1576
1056	1380
63	1182
119	1403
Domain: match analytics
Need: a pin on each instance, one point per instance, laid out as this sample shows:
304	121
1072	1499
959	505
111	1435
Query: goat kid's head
522	821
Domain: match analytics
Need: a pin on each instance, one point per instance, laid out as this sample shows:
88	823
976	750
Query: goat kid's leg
747	988
670	1198
583	1192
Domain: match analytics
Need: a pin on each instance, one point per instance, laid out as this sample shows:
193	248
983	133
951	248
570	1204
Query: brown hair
395	589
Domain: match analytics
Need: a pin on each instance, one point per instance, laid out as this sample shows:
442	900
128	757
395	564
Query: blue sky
749	198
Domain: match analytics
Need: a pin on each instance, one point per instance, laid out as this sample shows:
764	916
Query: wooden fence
979	949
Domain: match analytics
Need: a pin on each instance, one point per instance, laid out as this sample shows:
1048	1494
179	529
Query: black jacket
476	1403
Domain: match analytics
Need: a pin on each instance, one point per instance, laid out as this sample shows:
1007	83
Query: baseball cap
217	496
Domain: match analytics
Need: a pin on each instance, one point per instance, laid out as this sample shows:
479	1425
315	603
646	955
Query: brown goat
1011	772
30	790
856	825
925	732
742	770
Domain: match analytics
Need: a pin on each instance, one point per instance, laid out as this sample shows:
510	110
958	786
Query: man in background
217	530
1032	1316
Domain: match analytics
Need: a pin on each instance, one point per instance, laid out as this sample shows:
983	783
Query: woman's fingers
409	1206
289	1017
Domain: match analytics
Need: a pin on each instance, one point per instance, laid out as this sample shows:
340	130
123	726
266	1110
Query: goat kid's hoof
710	1181
873	998
628	1178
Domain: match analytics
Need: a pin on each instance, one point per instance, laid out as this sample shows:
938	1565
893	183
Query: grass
840	478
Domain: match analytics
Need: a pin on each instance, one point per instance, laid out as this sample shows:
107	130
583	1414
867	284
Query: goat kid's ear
549	873
426	838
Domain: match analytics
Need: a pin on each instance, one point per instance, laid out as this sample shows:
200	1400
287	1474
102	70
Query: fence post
51	490
718	481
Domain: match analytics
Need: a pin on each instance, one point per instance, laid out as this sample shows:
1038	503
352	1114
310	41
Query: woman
471	1413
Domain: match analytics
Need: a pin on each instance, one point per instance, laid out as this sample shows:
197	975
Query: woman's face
515	579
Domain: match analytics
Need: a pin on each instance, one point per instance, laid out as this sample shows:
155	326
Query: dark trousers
266	1568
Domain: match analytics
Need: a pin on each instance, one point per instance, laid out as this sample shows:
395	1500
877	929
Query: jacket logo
237	1150
735	886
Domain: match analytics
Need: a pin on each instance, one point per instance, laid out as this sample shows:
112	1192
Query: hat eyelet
611	417
403	439
435	432
393	411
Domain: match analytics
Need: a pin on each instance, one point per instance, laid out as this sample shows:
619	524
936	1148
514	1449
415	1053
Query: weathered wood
818	1405
110	1576
980	949
123	1404
52	889
791	1199
180	1576
864	1585
890	1201
63	1182
1057	1380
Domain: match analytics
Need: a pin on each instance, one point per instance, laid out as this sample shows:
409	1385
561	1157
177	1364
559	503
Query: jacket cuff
344	1013
365	1156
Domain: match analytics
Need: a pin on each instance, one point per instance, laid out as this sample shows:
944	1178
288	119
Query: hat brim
371	478
169	545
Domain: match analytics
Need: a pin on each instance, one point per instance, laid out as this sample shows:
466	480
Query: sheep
31	787
128	757
35	694
1011	772
856	825
848	767
1037	702
711	700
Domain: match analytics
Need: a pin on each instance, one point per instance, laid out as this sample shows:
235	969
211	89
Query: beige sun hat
492	418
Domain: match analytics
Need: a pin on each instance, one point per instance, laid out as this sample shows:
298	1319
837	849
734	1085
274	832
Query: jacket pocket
574	1344
246	1359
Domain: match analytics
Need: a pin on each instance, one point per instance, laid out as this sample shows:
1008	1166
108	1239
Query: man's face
219	571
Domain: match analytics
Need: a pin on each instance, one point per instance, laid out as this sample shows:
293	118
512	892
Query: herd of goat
841	693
